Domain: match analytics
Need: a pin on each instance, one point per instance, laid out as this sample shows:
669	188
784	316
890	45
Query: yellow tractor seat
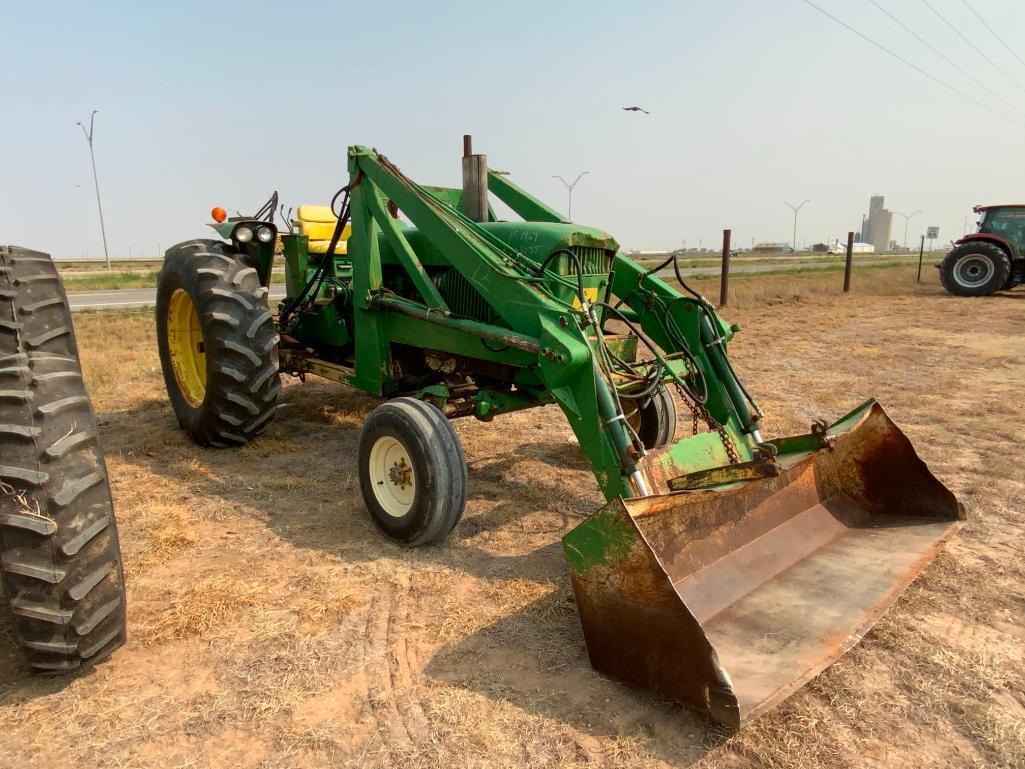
318	224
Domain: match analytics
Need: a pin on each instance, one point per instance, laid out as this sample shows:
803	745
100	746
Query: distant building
771	248
876	227
836	247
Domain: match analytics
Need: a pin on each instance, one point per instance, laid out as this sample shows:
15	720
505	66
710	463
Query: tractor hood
538	239
535	240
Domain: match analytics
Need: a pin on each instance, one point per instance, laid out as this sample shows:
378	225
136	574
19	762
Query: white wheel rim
391	475
974	270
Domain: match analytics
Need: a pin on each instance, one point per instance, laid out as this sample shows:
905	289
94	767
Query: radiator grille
462	298
595	261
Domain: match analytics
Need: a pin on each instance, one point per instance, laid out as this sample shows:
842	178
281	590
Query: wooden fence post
724	278
850	261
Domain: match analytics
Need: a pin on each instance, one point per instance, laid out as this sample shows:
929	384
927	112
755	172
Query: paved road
128	298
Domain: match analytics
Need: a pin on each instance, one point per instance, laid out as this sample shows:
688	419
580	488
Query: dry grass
199	608
271	626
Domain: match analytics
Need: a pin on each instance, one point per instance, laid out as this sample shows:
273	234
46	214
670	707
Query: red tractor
991	259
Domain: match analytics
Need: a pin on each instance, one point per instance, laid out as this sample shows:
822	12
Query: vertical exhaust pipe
475	182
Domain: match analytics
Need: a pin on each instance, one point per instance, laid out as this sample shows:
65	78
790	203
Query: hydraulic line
317	279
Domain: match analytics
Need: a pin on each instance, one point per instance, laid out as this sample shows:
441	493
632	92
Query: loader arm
688	333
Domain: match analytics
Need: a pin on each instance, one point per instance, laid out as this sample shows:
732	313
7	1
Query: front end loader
725	570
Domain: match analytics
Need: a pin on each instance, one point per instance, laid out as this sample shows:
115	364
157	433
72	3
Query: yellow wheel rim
186	347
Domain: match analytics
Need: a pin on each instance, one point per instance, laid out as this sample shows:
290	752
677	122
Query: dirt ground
270	626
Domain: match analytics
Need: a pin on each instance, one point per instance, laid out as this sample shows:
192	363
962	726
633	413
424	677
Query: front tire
976	268
59	554
654	421
412	472
218	343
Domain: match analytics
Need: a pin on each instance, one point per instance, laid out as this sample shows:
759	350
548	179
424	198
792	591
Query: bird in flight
636	109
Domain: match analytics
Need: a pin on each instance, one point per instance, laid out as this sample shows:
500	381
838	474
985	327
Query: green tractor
992	259
726	569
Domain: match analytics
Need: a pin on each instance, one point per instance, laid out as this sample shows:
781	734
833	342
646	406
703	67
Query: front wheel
412	472
654	420
976	268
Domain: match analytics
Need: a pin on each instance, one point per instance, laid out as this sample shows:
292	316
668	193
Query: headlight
265	234
243	234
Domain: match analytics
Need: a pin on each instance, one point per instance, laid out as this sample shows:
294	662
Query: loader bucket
729	600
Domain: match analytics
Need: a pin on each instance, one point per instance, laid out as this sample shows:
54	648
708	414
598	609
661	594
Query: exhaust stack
475	182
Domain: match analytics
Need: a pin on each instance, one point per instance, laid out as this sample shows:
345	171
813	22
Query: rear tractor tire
975	268
412	472
218	343
59	554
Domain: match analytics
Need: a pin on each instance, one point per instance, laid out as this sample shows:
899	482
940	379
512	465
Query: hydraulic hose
576	263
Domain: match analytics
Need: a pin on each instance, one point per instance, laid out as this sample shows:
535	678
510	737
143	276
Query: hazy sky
752	102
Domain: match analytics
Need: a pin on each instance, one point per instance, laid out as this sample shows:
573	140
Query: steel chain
698	411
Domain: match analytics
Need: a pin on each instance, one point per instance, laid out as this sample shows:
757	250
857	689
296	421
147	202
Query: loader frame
543	335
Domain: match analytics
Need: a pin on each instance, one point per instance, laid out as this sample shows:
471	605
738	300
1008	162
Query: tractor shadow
300	481
300	478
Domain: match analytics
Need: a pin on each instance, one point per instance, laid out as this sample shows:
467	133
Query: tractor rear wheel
975	268
653	421
59	552
412	472
218	343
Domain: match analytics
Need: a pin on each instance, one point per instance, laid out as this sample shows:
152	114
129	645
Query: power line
946	58
915	67
976	48
993	32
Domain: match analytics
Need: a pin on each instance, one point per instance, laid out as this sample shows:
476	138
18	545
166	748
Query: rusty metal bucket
729	600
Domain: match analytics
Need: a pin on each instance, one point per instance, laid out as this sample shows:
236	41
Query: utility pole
795	210
569	189
907	220
89	138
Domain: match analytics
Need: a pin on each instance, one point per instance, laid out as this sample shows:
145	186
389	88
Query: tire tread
56	489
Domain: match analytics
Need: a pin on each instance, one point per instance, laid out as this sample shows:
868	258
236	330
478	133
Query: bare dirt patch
271	626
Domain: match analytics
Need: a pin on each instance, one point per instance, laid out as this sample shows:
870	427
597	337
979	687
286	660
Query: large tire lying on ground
59	552
218	343
975	268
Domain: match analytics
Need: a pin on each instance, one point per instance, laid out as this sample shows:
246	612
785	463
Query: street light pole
569	189
907	220
96	182
795	210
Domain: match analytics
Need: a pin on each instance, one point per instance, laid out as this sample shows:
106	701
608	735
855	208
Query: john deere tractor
726	568
991	259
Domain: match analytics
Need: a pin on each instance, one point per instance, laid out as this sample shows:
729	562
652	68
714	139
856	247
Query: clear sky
752	102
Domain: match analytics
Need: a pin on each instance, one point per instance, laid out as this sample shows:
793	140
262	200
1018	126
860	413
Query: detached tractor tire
976	268
654	421
412	472
59	553
218	343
